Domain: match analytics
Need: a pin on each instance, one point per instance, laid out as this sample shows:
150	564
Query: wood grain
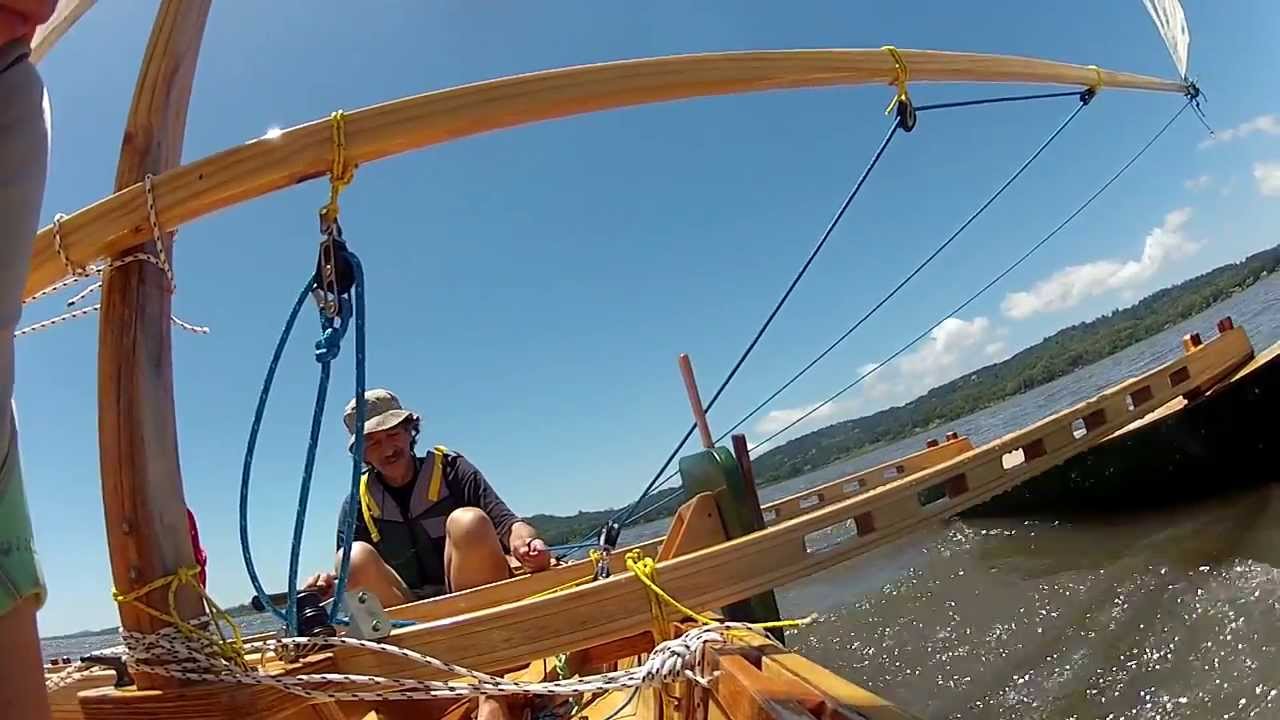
264	165
64	16
506	636
147	531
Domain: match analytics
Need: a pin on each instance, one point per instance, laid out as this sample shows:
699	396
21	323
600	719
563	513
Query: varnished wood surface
505	636
773	557
146	513
65	14
264	165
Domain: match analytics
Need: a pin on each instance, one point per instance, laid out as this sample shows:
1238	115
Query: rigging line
1084	101
813	254
990	284
247	468
653	506
996	100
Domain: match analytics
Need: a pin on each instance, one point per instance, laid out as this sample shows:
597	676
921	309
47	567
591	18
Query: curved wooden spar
64	16
142	498
264	165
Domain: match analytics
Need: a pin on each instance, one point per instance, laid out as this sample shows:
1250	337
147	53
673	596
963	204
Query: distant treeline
1059	354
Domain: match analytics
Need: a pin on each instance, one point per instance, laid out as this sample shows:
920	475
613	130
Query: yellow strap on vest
369	508
437	474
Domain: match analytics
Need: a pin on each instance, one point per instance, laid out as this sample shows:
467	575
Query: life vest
413	546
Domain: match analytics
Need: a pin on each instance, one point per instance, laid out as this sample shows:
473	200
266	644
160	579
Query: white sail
1172	24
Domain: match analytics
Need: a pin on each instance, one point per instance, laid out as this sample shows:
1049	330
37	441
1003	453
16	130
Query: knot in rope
1097	73
330	343
340	173
214	645
679	658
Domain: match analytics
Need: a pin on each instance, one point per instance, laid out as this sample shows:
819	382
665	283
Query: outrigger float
682	627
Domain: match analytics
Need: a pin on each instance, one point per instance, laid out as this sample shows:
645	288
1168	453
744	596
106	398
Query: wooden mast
302	153
147	531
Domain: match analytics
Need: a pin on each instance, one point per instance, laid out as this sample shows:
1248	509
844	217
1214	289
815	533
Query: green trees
1059	354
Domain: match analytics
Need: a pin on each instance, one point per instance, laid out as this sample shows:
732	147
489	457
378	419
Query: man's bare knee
364	561
469	525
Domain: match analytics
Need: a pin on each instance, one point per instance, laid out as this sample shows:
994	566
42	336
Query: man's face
387	450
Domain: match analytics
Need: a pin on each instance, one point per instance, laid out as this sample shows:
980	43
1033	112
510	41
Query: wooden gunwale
264	165
617	607
524	586
775	556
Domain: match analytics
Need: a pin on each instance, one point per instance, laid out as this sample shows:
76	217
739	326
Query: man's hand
528	549
321	582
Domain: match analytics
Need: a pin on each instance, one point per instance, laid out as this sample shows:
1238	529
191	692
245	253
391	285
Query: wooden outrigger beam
524	586
518	633
302	153
146	513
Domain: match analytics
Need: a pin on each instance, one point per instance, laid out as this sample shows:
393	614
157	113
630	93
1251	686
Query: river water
1171	614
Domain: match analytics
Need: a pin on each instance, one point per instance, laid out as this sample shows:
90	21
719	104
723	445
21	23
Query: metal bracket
368	620
112	662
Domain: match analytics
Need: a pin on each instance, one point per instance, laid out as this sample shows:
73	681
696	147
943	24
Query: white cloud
1199	183
1268	177
1268	124
1070	285
953	348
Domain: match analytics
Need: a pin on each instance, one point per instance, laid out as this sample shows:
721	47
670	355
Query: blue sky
529	290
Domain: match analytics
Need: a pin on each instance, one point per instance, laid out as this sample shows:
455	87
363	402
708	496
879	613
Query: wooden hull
501	626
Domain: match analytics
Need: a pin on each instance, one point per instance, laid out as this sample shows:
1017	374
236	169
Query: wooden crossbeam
265	165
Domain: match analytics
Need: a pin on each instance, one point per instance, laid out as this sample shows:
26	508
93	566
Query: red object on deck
201	558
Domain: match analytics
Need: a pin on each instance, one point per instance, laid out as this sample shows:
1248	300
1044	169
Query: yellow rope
1097	71
595	560
646	569
230	650
340	173
904	74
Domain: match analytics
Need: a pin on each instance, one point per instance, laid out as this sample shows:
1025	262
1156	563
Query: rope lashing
228	650
646	571
596	557
901	78
1097	73
340	173
169	653
973	298
76	273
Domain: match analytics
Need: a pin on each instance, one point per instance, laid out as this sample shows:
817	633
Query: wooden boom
264	165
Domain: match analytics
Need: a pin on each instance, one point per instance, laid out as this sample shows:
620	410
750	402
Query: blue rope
996	100
813	254
357	450
972	298
246	472
632	513
327	349
932	256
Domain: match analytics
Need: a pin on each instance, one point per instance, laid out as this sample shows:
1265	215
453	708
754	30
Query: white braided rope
170	653
76	273
69	676
77	671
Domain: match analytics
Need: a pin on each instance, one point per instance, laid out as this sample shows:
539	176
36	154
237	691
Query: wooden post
147	531
695	401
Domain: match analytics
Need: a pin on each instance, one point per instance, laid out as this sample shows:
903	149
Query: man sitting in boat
425	525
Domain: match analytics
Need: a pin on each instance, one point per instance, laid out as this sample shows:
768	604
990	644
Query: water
1172	614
